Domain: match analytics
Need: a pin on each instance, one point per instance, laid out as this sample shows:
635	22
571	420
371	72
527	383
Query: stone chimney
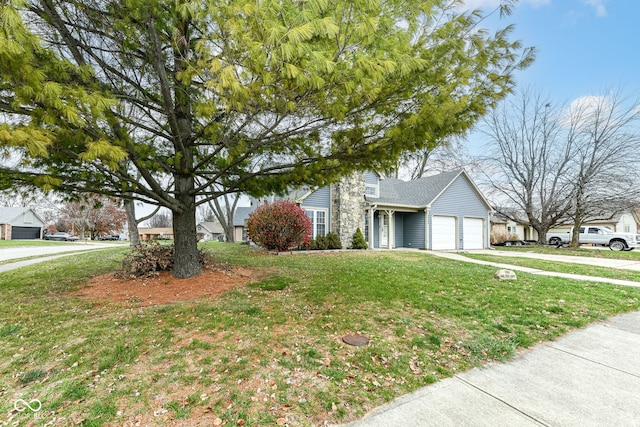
348	207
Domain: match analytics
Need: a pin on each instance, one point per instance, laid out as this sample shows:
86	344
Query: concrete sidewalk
587	378
602	262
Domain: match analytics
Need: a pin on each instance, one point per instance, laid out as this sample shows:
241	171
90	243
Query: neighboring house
210	231
240	218
159	233
20	224
503	228
440	212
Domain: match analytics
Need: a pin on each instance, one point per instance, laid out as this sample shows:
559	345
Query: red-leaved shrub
279	226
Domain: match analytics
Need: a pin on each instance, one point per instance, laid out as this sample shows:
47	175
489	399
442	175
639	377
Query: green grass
272	349
562	267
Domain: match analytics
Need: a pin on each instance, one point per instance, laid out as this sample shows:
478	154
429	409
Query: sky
584	47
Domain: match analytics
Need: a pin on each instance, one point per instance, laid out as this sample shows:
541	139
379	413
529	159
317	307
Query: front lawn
270	352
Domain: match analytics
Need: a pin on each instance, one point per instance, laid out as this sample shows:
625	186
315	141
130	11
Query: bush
333	241
358	241
321	243
152	258
279	226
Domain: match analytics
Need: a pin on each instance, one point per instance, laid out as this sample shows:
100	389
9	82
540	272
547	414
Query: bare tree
448	155
527	160
160	220
603	167
550	165
224	213
133	222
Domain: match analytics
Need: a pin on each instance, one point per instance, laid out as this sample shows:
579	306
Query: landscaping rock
505	275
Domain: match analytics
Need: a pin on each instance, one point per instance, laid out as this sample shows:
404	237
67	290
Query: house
158	233
505	229
240	218
20	223
440	212
208	230
626	222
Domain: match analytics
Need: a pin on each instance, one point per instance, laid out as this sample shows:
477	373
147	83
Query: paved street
8	253
43	253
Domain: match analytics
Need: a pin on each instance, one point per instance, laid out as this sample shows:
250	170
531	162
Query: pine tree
177	103
358	241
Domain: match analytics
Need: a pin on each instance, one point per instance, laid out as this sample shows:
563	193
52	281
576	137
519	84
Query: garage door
473	233
443	233
23	233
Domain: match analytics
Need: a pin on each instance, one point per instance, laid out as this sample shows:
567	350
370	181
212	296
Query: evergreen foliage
358	241
333	241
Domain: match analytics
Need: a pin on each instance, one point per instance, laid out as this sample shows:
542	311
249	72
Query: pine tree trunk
186	260
132	224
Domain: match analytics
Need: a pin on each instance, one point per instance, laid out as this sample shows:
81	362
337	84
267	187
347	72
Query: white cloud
599	6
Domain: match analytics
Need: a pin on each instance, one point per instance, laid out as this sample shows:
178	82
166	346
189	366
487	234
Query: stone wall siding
348	207
5	231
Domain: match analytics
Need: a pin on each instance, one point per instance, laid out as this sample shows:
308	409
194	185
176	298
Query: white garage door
473	233
443	233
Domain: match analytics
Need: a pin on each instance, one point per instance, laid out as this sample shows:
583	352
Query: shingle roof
212	227
7	215
241	215
419	193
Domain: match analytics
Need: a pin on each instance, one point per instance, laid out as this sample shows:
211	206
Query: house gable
20	217
461	188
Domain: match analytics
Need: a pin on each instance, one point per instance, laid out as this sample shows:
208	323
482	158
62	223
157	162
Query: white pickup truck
598	236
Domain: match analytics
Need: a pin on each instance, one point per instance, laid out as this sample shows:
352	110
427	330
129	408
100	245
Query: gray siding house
440	212
20	224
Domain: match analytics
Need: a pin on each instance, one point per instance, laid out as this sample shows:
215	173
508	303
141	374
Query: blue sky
585	47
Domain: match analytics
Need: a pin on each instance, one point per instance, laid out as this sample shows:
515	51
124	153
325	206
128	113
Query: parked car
66	237
108	237
597	235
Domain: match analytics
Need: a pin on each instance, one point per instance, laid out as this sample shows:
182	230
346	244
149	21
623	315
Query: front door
384	230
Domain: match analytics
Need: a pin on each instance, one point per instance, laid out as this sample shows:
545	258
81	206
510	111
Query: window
318	219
